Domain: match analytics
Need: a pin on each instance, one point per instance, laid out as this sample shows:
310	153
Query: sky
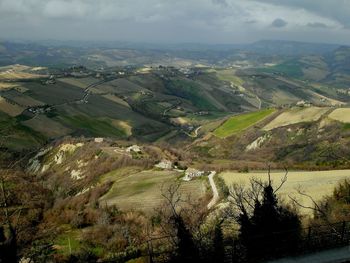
177	21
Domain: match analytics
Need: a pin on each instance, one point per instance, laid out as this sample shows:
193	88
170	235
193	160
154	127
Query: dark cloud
218	21
279	22
220	2
317	25
338	10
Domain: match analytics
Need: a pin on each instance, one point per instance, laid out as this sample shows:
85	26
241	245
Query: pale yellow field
16	72
342	115
9	108
179	120
124	125
116	99
7	85
296	115
317	184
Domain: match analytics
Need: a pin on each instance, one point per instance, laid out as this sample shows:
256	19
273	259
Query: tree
267	228
218	244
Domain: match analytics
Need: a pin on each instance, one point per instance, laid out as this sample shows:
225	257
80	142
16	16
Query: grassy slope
241	122
142	190
17	137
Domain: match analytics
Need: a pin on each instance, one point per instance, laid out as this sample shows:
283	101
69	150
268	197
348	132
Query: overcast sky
177	21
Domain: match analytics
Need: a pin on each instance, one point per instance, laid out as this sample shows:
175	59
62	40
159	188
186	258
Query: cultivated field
116	99
142	190
241	122
317	184
47	127
229	75
17	72
342	115
79	82
10	108
296	115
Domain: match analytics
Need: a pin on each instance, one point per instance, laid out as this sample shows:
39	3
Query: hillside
301	137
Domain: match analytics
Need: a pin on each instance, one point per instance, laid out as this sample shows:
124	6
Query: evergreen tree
218	244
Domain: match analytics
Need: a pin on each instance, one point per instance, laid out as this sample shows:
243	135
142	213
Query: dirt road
215	198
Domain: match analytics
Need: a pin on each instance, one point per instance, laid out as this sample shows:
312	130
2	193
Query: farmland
342	115
317	184
10	108
241	122
296	115
230	76
142	190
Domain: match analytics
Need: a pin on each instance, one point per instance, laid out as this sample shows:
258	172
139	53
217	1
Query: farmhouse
192	173
98	140
134	148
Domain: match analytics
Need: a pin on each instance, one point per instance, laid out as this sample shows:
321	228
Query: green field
241	122
16	136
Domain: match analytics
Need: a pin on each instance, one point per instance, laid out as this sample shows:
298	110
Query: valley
115	142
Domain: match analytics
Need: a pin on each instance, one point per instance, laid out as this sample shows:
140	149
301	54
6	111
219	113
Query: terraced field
142	190
241	122
317	184
296	115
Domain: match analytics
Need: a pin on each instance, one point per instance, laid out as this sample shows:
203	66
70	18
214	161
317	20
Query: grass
241	122
17	137
68	238
191	91
142	190
291	68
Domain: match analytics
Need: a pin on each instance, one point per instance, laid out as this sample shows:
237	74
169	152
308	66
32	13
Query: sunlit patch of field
10	108
179	120
17	72
123	125
342	115
229	75
7	85
144	70
316	183
296	115
142	190
116	99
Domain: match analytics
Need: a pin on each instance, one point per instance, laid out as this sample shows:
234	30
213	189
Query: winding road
215	198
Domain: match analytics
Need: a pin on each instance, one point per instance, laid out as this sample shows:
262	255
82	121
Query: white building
134	148
192	173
